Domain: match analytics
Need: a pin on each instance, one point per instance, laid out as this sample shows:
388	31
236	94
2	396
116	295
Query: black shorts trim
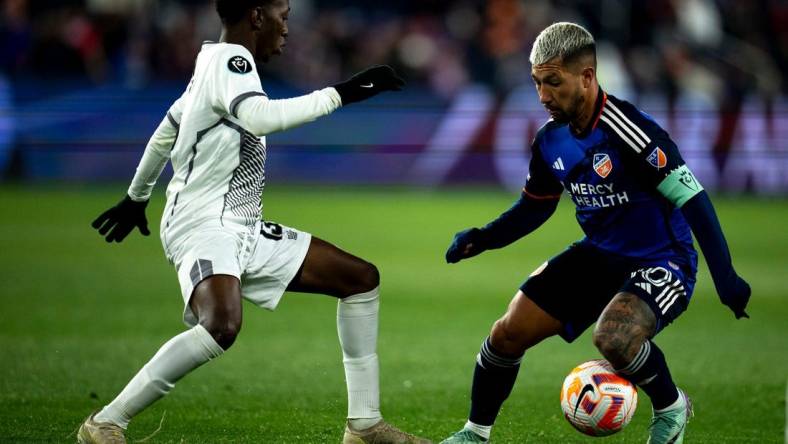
665	290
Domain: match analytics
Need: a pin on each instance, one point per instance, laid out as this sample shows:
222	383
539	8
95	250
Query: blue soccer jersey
613	172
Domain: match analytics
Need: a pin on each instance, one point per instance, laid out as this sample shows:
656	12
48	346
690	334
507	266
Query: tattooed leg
623	335
624	325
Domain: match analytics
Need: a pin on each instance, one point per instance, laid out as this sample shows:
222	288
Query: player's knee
508	338
371	277
367	278
225	334
603	341
622	328
612	346
224	329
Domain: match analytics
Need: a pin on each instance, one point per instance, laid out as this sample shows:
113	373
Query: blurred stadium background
84	83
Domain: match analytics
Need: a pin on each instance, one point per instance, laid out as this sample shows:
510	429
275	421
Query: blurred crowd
722	49
684	59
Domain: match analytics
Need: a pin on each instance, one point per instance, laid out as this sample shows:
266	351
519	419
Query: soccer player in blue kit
634	271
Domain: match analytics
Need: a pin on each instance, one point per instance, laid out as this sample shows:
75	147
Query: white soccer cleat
464	436
380	433
668	427
92	432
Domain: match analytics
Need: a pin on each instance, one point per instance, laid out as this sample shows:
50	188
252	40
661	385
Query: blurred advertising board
411	138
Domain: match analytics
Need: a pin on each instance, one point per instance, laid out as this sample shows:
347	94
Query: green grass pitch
79	317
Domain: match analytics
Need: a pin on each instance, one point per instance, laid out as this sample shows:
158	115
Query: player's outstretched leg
523	326
217	303
329	270
622	335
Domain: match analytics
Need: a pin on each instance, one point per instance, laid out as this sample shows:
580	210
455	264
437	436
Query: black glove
370	82
735	294
467	243
121	219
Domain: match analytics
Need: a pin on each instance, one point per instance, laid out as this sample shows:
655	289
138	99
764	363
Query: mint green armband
680	186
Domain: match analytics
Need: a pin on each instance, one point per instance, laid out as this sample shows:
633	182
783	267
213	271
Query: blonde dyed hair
565	41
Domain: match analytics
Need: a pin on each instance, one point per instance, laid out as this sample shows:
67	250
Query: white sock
483	431
175	359
357	325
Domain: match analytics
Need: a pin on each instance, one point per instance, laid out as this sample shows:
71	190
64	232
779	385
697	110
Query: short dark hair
232	11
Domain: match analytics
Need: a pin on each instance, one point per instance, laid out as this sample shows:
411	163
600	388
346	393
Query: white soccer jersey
218	158
218	166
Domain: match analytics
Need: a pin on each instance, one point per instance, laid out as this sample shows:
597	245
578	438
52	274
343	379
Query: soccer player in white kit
212	231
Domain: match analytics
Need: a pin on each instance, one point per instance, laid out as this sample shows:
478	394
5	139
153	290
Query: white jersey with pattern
218	165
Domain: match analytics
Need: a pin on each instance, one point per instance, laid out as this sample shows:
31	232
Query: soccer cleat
380	433
92	432
667	427
464	436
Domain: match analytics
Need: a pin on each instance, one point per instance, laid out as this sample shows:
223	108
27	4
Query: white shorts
264	259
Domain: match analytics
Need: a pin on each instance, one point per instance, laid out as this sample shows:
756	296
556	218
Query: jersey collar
601	100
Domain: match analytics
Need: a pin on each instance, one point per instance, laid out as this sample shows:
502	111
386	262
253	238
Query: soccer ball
596	401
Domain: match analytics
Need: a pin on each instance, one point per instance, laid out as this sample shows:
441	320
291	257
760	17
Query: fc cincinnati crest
602	164
657	158
239	65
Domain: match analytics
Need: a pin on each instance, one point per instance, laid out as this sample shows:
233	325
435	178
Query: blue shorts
575	286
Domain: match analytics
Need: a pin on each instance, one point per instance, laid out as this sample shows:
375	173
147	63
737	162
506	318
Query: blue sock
649	371
493	380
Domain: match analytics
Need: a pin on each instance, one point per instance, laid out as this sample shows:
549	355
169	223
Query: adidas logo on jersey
644	285
558	165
